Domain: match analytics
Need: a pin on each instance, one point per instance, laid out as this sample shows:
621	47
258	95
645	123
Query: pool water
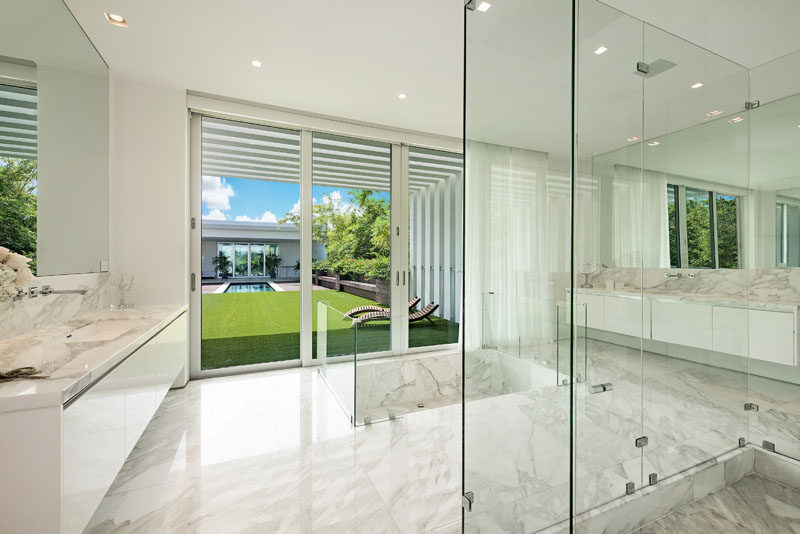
248	288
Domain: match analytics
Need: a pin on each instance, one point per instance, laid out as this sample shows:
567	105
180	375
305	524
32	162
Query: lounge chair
385	315
373	308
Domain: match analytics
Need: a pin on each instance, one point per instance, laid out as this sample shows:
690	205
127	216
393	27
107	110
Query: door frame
400	140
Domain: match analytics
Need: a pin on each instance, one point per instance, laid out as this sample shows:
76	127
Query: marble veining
753	504
74	353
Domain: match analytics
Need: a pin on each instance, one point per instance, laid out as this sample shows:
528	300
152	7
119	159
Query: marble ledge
700	298
75	353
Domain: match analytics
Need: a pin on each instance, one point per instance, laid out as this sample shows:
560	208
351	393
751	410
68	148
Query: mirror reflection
53	140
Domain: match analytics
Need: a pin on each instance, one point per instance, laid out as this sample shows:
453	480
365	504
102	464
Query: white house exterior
253	239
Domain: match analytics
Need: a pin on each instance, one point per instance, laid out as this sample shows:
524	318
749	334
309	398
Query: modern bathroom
485	267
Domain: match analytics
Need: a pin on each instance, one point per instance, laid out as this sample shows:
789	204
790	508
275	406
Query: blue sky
232	198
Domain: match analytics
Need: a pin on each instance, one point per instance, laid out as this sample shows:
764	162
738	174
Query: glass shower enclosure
631	288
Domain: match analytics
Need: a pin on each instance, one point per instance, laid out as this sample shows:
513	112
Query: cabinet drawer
772	336
683	323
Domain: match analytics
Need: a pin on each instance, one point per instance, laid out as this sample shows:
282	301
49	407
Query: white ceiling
351	59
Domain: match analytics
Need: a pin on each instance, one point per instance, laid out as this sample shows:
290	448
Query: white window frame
306	124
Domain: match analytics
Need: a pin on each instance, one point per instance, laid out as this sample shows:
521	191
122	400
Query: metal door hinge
194	223
750	407
630	487
653	479
768	445
368	420
753	104
467	500
641	442
194	282
642	67
742	442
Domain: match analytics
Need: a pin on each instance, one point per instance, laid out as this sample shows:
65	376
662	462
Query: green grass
247	328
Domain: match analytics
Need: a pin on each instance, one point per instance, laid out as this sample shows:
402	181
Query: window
703	228
262	259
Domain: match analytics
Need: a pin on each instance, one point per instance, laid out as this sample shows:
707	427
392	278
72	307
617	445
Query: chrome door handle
398	278
404	278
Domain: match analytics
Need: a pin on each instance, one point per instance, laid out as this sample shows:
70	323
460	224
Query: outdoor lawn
247	328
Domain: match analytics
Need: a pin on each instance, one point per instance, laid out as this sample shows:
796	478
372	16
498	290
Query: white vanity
763	331
64	438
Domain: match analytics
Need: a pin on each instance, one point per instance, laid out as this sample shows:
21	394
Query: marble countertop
75	353
699	298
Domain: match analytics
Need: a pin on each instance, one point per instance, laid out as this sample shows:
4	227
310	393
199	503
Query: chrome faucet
678	275
47	290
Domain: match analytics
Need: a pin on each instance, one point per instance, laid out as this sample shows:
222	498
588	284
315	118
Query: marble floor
274	452
754	504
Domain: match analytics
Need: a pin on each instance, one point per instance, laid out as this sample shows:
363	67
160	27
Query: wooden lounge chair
385	315
355	312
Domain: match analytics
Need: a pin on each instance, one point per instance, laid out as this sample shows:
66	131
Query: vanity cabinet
682	323
101	426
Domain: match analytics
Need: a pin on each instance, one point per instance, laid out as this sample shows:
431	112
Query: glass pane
620	213
435	240
774	374
516	264
246	209
674	235
727	231
256	260
695	337
698	228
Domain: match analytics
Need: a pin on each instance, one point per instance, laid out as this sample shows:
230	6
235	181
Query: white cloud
216	193
268	217
296	208
216	215
339	206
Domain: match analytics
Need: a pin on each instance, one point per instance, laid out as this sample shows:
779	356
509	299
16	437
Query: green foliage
727	240
271	263
18	179
698	232
222	264
357	239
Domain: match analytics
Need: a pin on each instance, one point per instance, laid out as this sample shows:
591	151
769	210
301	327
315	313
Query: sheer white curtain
508	247
640	223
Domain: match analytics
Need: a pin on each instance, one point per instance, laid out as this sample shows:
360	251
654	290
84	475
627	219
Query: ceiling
351	59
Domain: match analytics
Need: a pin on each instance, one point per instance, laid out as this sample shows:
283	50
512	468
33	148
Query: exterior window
251	259
703	228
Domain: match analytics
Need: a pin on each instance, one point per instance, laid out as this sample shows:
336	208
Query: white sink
99	331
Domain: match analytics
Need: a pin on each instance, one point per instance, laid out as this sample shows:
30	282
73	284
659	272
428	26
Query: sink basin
100	331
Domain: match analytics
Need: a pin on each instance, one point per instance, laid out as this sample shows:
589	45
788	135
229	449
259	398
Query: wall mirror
53	140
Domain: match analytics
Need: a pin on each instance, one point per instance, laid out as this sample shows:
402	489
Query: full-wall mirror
53	140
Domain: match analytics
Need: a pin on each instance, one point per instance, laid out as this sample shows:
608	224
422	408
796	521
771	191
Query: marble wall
776	285
25	315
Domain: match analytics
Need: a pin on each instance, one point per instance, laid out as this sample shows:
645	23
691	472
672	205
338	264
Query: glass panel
516	264
256	260
727	231
616	203
695	340
250	190
773	260
435	241
698	228
334	335
241	259
674	234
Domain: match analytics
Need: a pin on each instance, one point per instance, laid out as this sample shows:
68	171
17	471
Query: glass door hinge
467	500
742	442
750	407
630	487
768	445
642	67
653	479
753	104
641	442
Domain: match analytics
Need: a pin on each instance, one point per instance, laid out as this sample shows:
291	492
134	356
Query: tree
18	178
222	263
727	239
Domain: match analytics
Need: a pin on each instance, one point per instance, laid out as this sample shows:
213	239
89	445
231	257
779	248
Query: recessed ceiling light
653	143
600	50
697	85
256	63
484	6
736	119
713	113
632	139
116	20
402	96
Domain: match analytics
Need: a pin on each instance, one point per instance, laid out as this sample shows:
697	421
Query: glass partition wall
640	193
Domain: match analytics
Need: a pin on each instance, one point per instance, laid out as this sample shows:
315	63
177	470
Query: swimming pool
249	288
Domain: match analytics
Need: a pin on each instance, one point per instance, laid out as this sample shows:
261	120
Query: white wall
148	188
